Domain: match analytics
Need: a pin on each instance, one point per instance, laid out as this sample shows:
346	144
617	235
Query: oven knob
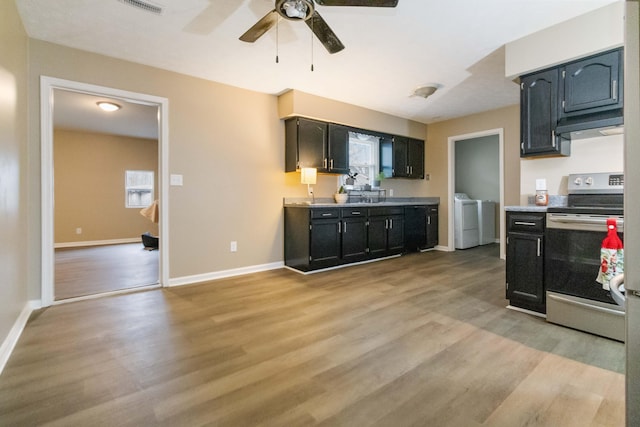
578	181
589	181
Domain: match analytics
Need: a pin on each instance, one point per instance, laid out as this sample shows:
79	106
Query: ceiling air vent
144	5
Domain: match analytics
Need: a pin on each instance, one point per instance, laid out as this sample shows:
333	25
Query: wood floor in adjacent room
420	340
99	269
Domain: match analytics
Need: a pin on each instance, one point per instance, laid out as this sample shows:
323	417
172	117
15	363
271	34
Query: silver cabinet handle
528	224
553	138
345	228
331	164
324	163
614	90
356	213
390	222
539	247
339	227
326	214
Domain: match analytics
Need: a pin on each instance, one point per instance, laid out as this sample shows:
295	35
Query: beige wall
13	166
437	154
602	154
228	144
89	172
590	33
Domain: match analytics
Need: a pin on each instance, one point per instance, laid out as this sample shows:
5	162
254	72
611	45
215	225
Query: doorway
97	250
477	168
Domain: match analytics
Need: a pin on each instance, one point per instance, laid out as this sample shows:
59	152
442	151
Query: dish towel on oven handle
611	255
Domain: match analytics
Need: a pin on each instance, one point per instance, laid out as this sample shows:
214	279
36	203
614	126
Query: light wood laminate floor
420	340
99	269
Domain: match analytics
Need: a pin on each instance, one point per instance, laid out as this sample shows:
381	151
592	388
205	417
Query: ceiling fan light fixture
427	90
108	106
295	9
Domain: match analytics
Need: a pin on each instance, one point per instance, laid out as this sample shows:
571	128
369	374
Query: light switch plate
175	179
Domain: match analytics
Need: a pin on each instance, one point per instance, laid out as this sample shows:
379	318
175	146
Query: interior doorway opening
91	232
476	165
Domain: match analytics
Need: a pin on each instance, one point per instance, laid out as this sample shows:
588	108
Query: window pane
363	157
138	189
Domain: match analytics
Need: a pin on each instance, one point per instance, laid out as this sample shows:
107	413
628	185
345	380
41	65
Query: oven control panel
596	183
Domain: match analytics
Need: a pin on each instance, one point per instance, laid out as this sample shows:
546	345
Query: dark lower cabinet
386	231
432	226
354	235
317	238
421	227
525	260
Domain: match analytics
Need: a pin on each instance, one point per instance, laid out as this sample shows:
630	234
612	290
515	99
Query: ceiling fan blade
325	34
260	27
367	3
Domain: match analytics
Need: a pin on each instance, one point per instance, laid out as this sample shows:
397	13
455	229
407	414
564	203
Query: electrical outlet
234	246
427	177
78	230
391	192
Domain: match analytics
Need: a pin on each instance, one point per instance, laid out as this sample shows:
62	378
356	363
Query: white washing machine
465	218
486	221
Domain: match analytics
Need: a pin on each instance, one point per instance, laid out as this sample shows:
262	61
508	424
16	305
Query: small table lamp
308	176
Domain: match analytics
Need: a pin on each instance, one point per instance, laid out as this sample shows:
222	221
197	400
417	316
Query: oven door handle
589	306
571	220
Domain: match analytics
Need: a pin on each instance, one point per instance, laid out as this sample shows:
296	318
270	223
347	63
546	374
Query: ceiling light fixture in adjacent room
108	106
427	90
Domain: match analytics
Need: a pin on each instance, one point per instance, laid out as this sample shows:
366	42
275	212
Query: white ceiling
458	44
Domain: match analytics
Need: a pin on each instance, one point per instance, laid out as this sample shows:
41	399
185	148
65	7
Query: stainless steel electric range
573	239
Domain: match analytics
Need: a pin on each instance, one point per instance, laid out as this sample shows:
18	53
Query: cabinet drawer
389	210
354	212
325	213
527	222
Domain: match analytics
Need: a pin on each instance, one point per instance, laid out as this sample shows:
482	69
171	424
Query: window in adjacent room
364	156
138	189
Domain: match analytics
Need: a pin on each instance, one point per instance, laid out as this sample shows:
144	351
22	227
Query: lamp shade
308	175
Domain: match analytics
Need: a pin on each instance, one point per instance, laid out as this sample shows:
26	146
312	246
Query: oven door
572	255
572	263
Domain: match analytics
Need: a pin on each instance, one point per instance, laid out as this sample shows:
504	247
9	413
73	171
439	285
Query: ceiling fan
304	10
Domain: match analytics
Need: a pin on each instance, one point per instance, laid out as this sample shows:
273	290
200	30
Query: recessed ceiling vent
144	5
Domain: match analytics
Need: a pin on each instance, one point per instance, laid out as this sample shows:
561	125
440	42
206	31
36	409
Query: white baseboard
16	330
207	277
98	242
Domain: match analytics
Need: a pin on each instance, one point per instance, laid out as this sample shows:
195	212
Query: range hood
591	125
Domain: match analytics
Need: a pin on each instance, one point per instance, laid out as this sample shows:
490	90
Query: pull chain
277	40
312	33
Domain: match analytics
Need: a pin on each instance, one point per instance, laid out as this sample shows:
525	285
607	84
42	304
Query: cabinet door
395	234
415	155
592	84
324	246
432	226
354	239
400	153
415	224
338	150
539	113
377	236
312	143
525	274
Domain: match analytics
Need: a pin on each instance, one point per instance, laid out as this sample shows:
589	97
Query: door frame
499	132
47	86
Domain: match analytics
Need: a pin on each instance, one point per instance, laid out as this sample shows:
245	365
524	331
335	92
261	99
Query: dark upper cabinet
402	157
539	115
592	84
338	149
315	144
